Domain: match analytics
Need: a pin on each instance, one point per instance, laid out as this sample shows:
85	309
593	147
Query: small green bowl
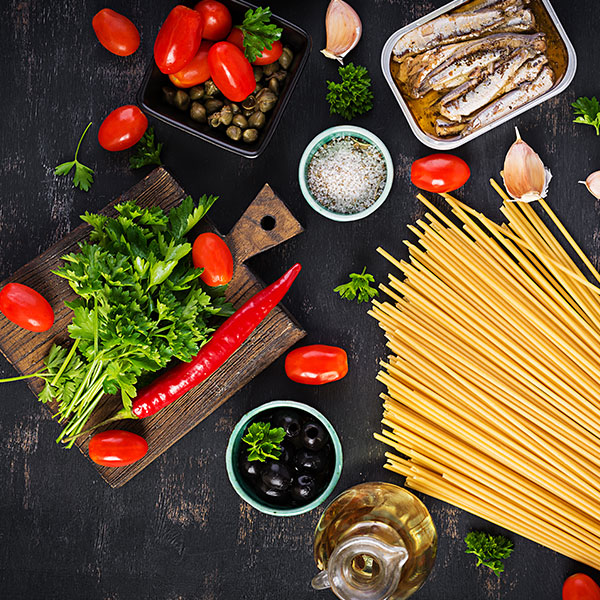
327	136
246	492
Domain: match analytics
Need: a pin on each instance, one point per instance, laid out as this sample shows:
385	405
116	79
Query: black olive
304	488
276	475
306	460
314	435
287	452
270	493
250	469
289	420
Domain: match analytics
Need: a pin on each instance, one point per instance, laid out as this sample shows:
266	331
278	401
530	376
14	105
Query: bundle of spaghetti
494	377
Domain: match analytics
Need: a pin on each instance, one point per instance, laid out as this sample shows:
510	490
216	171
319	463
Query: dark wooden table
178	530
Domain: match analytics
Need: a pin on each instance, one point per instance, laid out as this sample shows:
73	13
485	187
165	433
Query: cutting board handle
266	223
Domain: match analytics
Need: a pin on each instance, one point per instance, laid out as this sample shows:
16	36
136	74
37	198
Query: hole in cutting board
268	223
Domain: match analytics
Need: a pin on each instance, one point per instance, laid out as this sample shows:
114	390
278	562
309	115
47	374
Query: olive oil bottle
376	541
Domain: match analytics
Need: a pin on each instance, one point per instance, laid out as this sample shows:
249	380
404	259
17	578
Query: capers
274	85
198	112
169	94
226	115
268	70
249	103
257	120
213	105
259	86
214	120
250	135
285	60
248	112
266	100
240	121
258	73
233	132
210	89
182	100
235	108
197	92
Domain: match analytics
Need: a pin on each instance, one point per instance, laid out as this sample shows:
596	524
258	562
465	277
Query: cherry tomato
439	173
122	128
25	307
217	19
580	587
231	71
236	37
211	253
116	448
178	39
317	364
116	32
196	71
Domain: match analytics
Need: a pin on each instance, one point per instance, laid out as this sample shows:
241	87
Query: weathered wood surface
178	531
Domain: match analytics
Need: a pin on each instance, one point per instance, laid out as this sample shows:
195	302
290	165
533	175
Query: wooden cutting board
265	224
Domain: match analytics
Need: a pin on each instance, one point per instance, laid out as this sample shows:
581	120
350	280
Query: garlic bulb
592	183
343	27
525	177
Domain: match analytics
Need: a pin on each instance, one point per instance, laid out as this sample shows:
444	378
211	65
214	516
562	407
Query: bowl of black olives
284	458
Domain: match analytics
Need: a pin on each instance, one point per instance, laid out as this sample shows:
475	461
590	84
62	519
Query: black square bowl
150	95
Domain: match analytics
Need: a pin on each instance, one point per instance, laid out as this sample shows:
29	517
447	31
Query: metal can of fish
444	134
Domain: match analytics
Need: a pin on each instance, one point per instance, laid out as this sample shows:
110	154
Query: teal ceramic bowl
246	492
327	136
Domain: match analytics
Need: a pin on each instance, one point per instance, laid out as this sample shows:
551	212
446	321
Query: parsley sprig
353	96
359	285
490	550
258	32
84	176
147	151
263	441
588	110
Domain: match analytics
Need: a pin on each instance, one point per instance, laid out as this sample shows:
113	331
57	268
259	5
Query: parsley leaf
258	32
84	176
589	109
359	285
489	549
147	151
263	441
353	96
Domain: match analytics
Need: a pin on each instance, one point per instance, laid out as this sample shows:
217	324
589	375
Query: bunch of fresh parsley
147	151
588	110
140	304
264	441
353	96
359	285
258	32
490	550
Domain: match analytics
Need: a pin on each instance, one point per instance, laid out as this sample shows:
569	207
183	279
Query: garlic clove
525	176
344	29
592	183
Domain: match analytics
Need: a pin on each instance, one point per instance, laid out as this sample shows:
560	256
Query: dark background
178	530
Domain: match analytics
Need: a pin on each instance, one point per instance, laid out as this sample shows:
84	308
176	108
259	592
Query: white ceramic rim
349	130
439	144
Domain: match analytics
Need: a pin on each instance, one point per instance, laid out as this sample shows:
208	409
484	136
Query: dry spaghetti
494	377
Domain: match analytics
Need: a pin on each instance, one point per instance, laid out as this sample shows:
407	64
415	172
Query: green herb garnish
139	305
258	32
264	441
147	151
353	96
84	176
359	285
589	111
490	550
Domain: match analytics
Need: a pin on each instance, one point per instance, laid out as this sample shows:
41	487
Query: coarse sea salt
346	175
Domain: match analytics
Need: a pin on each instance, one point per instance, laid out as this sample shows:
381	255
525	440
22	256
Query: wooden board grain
265	224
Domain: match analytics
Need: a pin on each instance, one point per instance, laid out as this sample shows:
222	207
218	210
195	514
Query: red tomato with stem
217	19
178	39
116	32
25	307
580	587
117	448
316	364
439	173
236	37
231	71
196	71
122	128
211	253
